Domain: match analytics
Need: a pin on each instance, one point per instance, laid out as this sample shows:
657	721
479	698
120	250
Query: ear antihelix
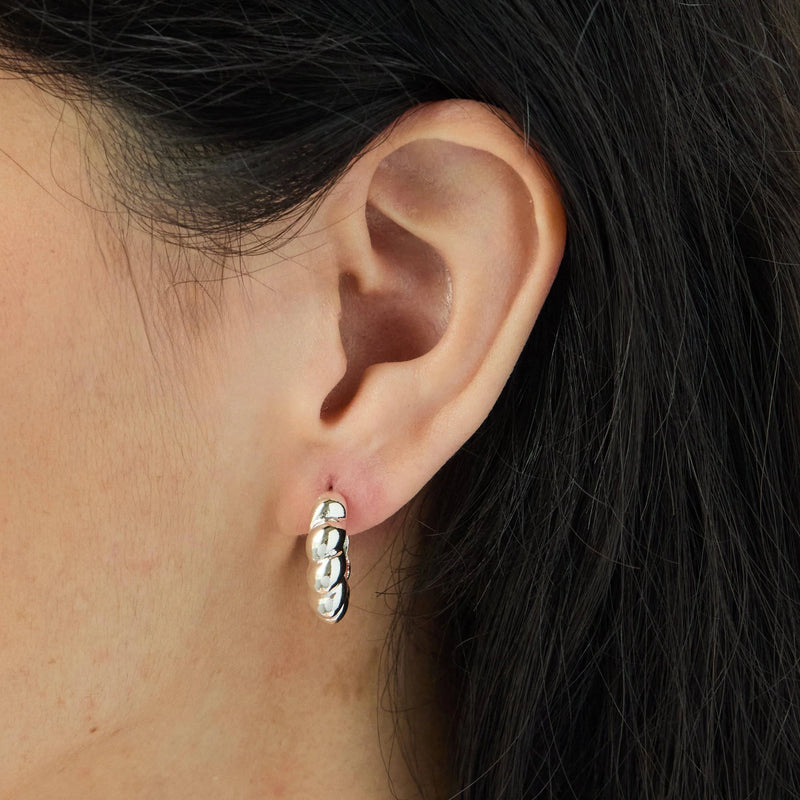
437	215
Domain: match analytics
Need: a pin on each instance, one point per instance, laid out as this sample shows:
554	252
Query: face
130	442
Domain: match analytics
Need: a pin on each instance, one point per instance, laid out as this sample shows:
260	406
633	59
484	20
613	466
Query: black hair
614	556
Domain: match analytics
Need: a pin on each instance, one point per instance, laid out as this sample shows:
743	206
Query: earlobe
445	238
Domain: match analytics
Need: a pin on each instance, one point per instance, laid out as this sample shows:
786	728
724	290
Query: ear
441	244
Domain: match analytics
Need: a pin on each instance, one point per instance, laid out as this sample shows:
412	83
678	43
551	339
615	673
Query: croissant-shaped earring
329	568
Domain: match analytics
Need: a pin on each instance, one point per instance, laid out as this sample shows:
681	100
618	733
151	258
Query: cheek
94	541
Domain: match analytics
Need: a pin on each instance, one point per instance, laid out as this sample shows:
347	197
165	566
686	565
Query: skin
136	584
161	448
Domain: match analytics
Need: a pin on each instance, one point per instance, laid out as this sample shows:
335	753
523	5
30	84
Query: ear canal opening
402	319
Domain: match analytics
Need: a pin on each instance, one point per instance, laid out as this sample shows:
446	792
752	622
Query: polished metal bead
325	574
326	542
332	605
330	510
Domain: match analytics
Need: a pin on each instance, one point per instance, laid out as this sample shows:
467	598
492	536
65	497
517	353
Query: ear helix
327	546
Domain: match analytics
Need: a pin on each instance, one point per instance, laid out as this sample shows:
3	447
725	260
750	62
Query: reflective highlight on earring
329	568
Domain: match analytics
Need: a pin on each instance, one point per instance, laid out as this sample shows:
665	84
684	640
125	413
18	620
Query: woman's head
265	251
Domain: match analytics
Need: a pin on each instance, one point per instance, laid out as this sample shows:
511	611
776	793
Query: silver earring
329	568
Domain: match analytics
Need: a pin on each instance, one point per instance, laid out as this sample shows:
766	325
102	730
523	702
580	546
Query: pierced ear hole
402	320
